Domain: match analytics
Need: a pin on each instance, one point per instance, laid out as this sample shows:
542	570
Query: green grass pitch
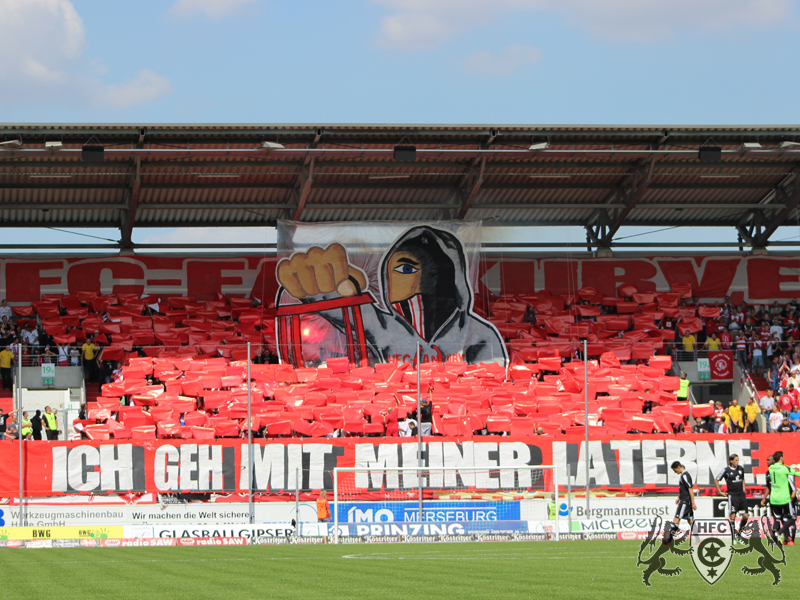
506	571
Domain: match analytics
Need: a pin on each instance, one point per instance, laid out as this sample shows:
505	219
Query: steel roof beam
374	185
637	191
534	162
303	188
380	206
129	216
792	200
467	198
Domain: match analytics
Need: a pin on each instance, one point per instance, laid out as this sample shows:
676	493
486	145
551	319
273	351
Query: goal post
436	501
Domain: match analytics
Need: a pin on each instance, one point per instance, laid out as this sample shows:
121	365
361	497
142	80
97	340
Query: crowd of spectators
760	335
103	334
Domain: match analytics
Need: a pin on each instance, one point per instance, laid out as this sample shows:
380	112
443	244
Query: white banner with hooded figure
369	292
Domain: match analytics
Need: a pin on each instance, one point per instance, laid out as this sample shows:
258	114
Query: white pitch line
326	558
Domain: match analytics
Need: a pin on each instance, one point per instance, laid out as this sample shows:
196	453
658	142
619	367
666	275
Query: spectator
51	423
5	310
741	348
726	425
540	430
36	425
726	339
767	401
4	417
712	344
737	417
774	375
26	425
7	368
684	392
785	426
775	419
89	352
74	355
776	330
426	414
31	338
785	403
530	316
11	432
404	427
48	357
751	412
63	355
323	508
719	416
390	418
689	342
757	364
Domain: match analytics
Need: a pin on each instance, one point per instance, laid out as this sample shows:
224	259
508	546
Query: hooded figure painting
425	294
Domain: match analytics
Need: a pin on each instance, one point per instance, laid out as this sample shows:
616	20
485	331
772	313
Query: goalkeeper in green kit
780	498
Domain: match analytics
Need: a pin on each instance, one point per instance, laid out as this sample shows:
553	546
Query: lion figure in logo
652	551
755	532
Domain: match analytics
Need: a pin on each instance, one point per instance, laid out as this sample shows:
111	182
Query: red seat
97	432
356	427
227	428
161	413
121	433
302	427
279	428
144	432
203	433
551	428
496	424
522	426
374	428
168	429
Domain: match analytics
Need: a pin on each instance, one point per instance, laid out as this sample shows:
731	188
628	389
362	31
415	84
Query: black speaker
405	153
710	154
93	153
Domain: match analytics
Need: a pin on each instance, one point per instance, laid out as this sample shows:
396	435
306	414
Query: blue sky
411	61
573	62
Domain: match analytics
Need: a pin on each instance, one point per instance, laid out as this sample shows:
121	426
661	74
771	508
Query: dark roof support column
126	230
303	188
469	197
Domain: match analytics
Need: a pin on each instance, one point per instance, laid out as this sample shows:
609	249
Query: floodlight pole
250	507
19	433
586	415
419	429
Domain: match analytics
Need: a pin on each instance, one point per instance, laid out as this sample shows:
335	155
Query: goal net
445	501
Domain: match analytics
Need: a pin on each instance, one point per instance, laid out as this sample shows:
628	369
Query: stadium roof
597	177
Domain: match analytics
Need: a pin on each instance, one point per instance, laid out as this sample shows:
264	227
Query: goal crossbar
452	491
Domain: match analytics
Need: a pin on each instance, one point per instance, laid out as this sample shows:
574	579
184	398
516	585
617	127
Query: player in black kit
733	475
685	502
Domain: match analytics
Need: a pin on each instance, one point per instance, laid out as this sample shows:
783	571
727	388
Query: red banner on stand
721	364
173	466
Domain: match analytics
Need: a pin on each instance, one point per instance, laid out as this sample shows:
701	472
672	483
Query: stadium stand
183	370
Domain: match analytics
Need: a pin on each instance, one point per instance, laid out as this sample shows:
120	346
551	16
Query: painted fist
320	271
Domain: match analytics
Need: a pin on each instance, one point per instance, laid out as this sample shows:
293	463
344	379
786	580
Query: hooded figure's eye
405	269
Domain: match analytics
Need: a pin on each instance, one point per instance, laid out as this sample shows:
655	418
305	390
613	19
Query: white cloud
146	87
42	57
212	9
425	24
507	62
